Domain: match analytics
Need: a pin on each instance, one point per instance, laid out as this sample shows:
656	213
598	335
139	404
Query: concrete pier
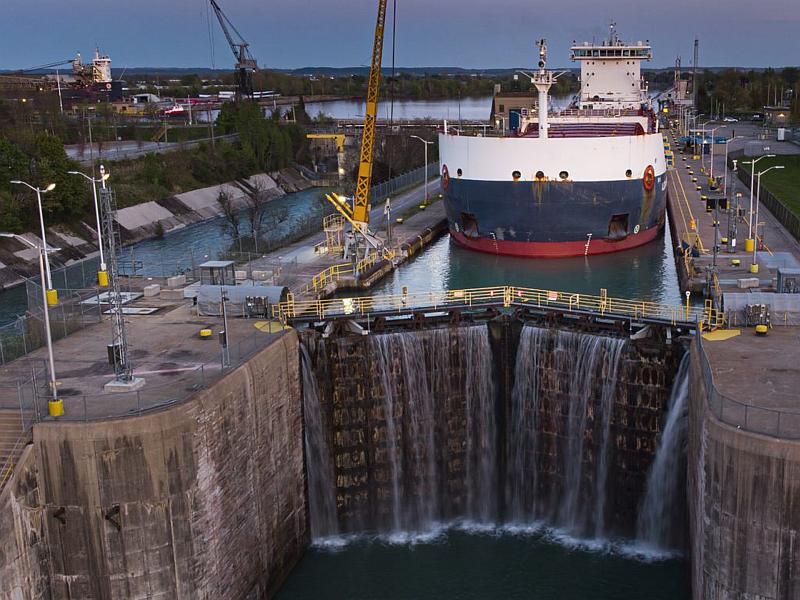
205	499
744	424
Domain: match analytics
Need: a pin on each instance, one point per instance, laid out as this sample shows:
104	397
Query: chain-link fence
380	192
756	419
154	395
27	332
785	215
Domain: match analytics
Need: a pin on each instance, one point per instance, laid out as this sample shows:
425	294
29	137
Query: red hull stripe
554	249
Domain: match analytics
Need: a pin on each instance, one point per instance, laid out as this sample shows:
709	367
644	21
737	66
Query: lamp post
51	294
55	407
426	142
754	265
712	148
725	178
749	241
102	275
703	145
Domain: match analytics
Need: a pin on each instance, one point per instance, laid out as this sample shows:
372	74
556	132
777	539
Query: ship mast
542	79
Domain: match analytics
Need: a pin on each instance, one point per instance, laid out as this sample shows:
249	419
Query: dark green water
644	273
485	565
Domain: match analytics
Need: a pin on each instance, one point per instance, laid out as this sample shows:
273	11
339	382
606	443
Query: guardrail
505	296
111	405
754	419
335	272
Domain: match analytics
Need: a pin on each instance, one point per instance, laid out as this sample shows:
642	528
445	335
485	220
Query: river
451	109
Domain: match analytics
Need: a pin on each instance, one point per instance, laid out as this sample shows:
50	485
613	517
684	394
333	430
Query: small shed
217	272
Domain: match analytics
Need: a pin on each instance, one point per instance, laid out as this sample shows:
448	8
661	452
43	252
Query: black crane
246	65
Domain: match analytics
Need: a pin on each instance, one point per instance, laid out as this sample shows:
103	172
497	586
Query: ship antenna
612	37
542	55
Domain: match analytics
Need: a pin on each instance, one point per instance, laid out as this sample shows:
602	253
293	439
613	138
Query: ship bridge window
628	173
516	175
564	175
539	175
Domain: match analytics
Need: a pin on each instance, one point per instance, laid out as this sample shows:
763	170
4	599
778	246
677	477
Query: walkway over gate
360	307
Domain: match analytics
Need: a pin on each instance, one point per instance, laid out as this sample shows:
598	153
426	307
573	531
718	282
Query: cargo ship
589	179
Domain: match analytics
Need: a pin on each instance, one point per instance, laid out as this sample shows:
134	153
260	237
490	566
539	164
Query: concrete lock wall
203	500
744	498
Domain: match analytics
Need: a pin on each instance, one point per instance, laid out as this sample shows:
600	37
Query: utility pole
694	71
119	355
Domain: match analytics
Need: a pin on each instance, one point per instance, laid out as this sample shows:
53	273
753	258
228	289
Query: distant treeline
401	86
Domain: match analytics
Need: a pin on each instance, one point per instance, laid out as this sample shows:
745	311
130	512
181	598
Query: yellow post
749	245
55	408
754	268
102	278
52	297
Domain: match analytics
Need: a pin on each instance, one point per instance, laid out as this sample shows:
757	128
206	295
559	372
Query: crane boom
361	198
245	63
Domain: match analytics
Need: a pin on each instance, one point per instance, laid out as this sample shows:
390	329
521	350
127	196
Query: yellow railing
335	272
496	295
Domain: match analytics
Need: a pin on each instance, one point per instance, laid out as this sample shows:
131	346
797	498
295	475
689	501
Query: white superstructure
611	73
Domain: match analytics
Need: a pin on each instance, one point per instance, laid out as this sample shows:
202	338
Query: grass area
783	183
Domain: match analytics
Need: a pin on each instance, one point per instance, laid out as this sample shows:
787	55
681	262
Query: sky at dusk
338	33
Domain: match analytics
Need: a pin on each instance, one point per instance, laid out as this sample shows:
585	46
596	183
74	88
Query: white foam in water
628	549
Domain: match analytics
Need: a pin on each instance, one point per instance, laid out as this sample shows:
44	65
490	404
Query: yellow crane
358	215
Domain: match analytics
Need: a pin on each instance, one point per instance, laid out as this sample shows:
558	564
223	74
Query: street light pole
752	164
55	407
725	178
703	145
426	142
51	294
102	275
712	148
754	265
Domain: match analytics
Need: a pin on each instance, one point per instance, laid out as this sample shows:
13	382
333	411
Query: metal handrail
505	296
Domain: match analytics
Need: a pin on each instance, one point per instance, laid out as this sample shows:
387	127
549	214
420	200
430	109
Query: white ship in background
586	180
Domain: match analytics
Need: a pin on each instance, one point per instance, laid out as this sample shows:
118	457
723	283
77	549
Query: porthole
516	175
564	175
539	175
628	173
459	172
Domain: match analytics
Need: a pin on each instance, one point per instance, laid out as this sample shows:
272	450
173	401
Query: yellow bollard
735	262
761	329
205	333
102	278
749	245
754	268
52	297
55	408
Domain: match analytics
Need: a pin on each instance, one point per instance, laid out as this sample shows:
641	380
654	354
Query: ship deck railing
644	311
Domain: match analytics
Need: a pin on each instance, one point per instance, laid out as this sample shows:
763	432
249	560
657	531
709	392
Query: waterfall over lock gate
411	430
439	418
321	488
660	524
563	396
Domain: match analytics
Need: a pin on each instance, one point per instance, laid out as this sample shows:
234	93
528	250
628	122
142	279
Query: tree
257	201
49	164
231	215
